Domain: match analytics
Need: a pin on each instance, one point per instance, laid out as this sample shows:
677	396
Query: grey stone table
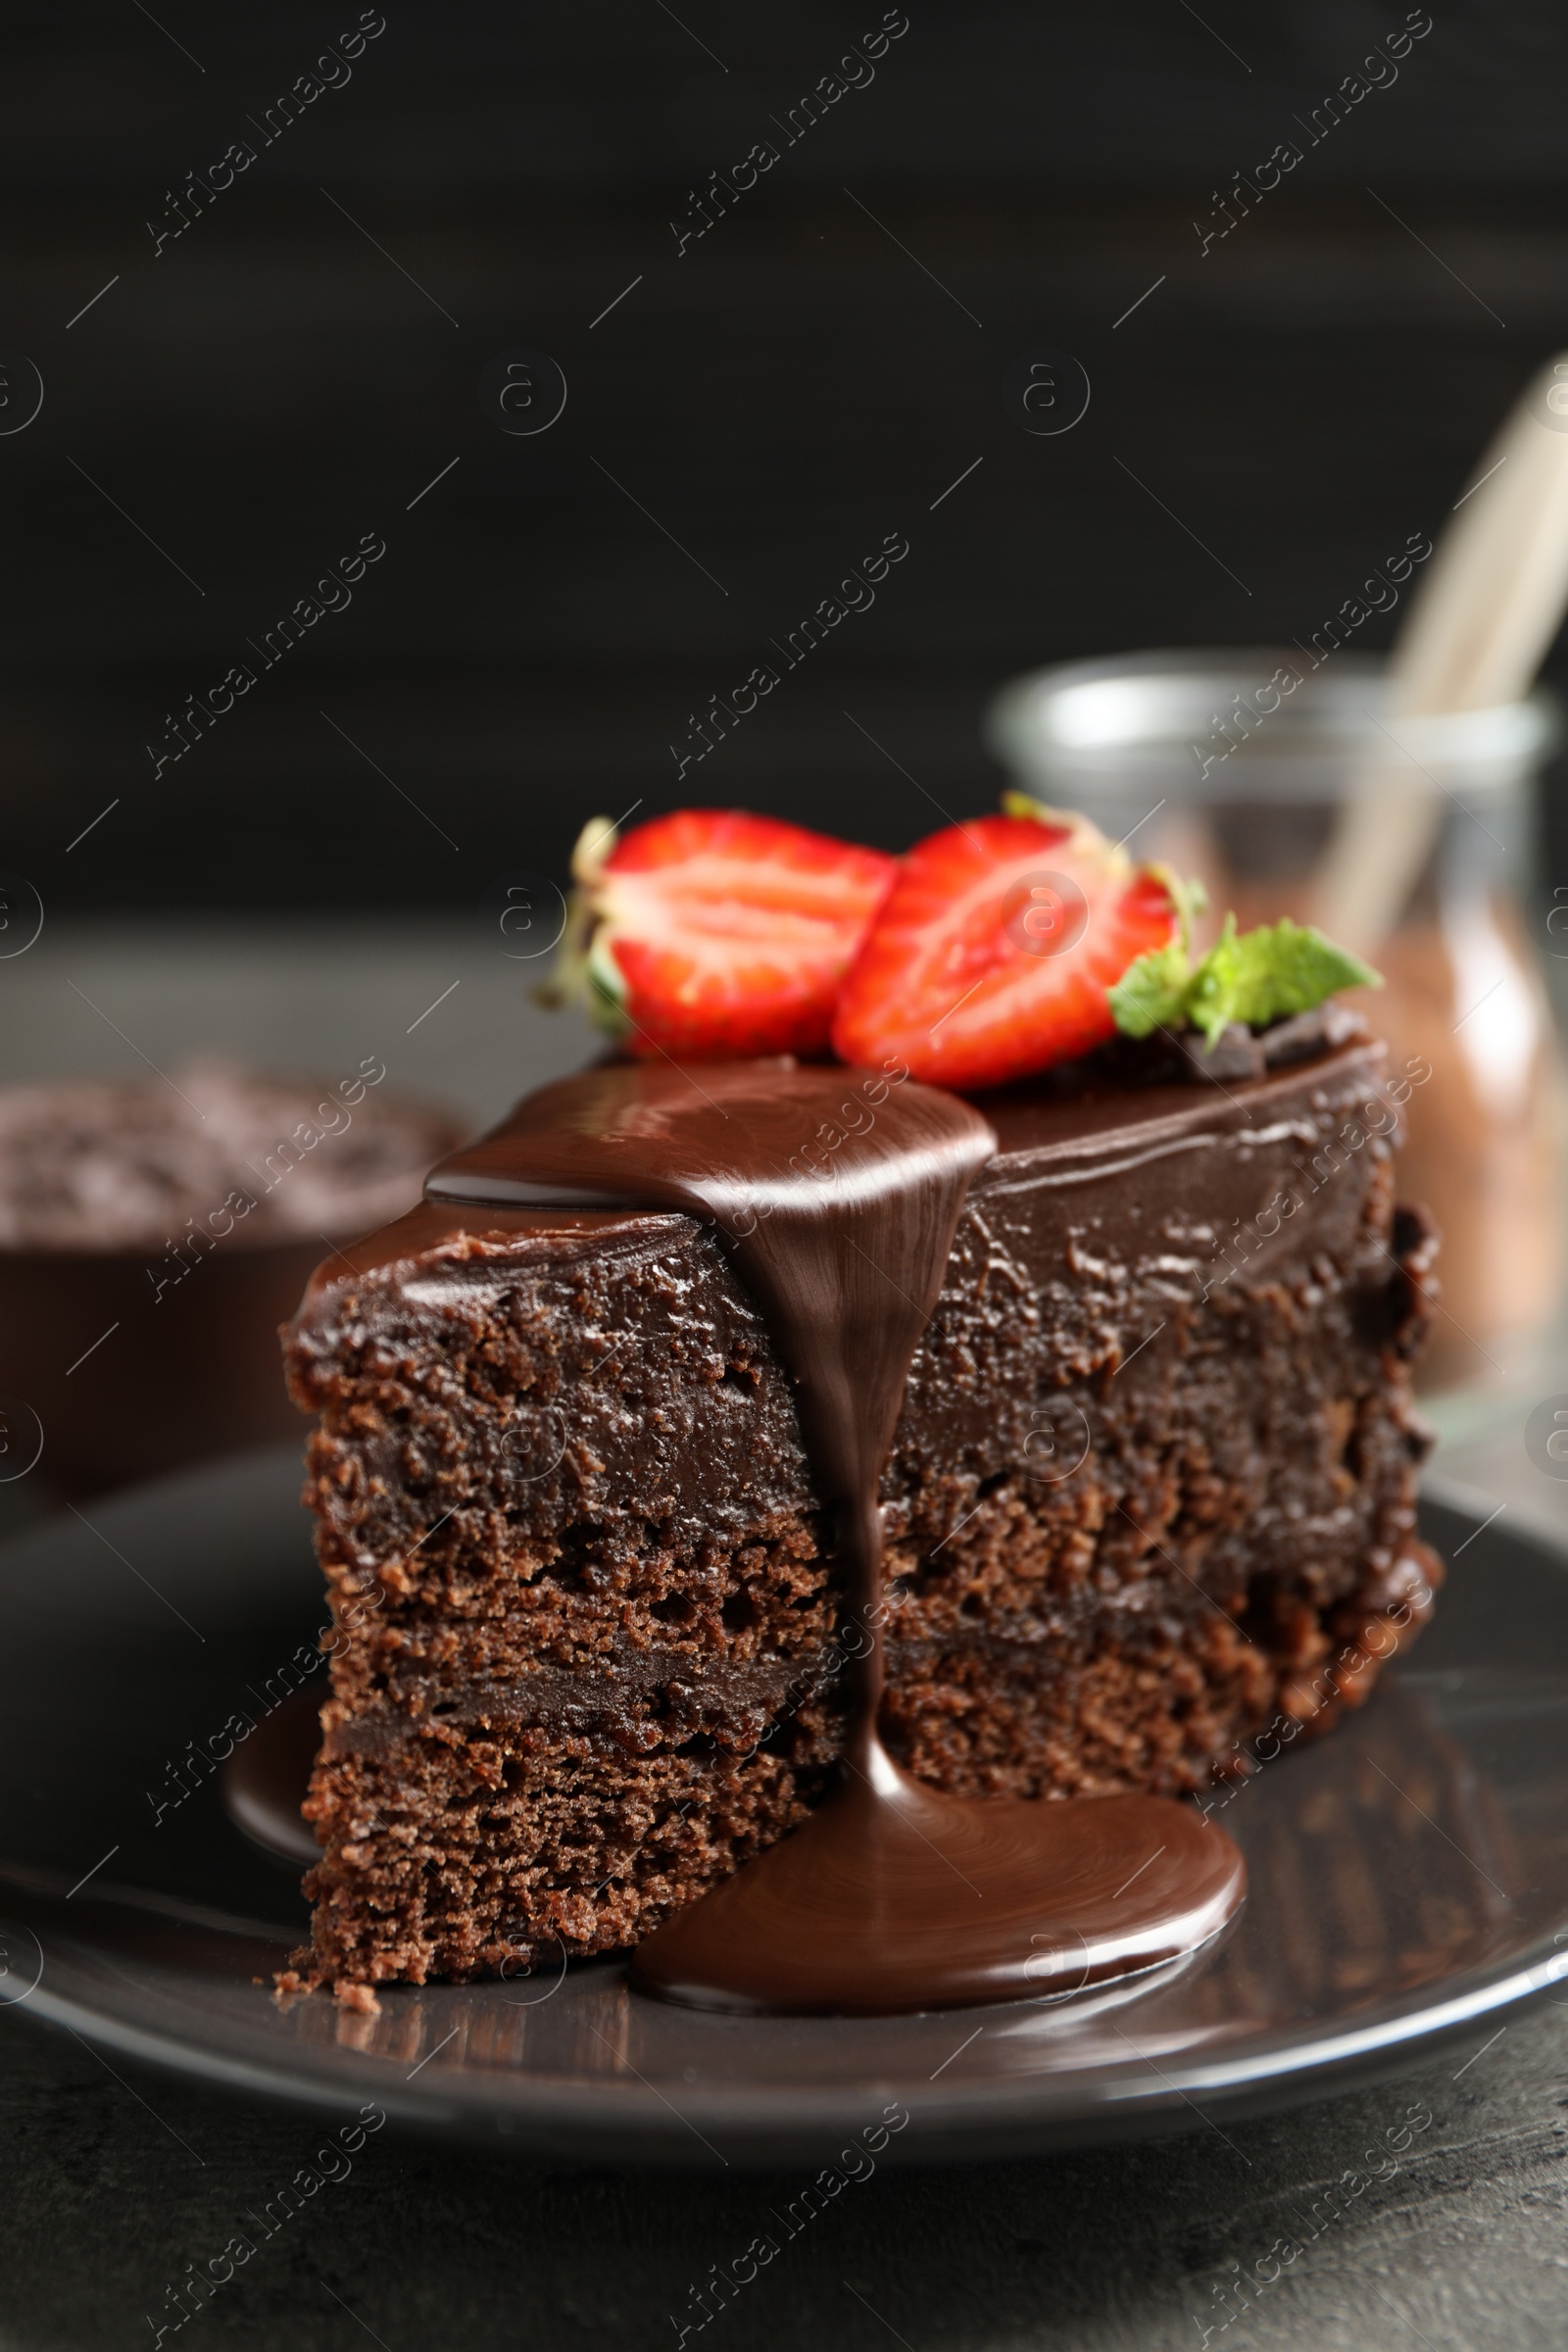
114	2181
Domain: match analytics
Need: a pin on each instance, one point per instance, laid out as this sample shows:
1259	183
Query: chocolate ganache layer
595	1498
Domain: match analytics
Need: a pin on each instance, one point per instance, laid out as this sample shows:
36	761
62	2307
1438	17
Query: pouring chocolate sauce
892	1897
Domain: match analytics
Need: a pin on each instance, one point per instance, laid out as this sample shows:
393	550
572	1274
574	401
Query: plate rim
575	2118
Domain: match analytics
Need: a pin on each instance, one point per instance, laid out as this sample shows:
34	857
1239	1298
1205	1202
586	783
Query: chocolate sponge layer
1154	1482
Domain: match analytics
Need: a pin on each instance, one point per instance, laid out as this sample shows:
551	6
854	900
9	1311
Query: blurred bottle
1234	766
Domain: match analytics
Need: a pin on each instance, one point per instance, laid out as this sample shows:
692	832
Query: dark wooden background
793	387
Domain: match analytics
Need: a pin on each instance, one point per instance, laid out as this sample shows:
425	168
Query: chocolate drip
838	1192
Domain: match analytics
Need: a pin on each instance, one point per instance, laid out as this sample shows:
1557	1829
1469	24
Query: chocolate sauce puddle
892	1897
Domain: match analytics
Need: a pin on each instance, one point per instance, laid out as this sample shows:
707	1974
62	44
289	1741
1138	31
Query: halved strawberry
714	934
994	952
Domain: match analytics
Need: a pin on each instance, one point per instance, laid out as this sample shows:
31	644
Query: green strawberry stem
579	977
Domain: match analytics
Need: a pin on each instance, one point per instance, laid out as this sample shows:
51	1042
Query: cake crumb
357	1996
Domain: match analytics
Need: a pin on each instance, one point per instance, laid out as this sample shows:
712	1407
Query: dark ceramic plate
1409	1886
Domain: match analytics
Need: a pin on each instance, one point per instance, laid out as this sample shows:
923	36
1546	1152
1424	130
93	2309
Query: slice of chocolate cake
1152	1483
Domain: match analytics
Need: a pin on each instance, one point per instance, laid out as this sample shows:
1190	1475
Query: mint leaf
1152	992
1214	993
1262	975
1253	976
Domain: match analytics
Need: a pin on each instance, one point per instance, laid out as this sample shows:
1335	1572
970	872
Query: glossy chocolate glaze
892	1897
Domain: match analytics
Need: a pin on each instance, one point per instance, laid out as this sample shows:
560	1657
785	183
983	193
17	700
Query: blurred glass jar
1234	766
